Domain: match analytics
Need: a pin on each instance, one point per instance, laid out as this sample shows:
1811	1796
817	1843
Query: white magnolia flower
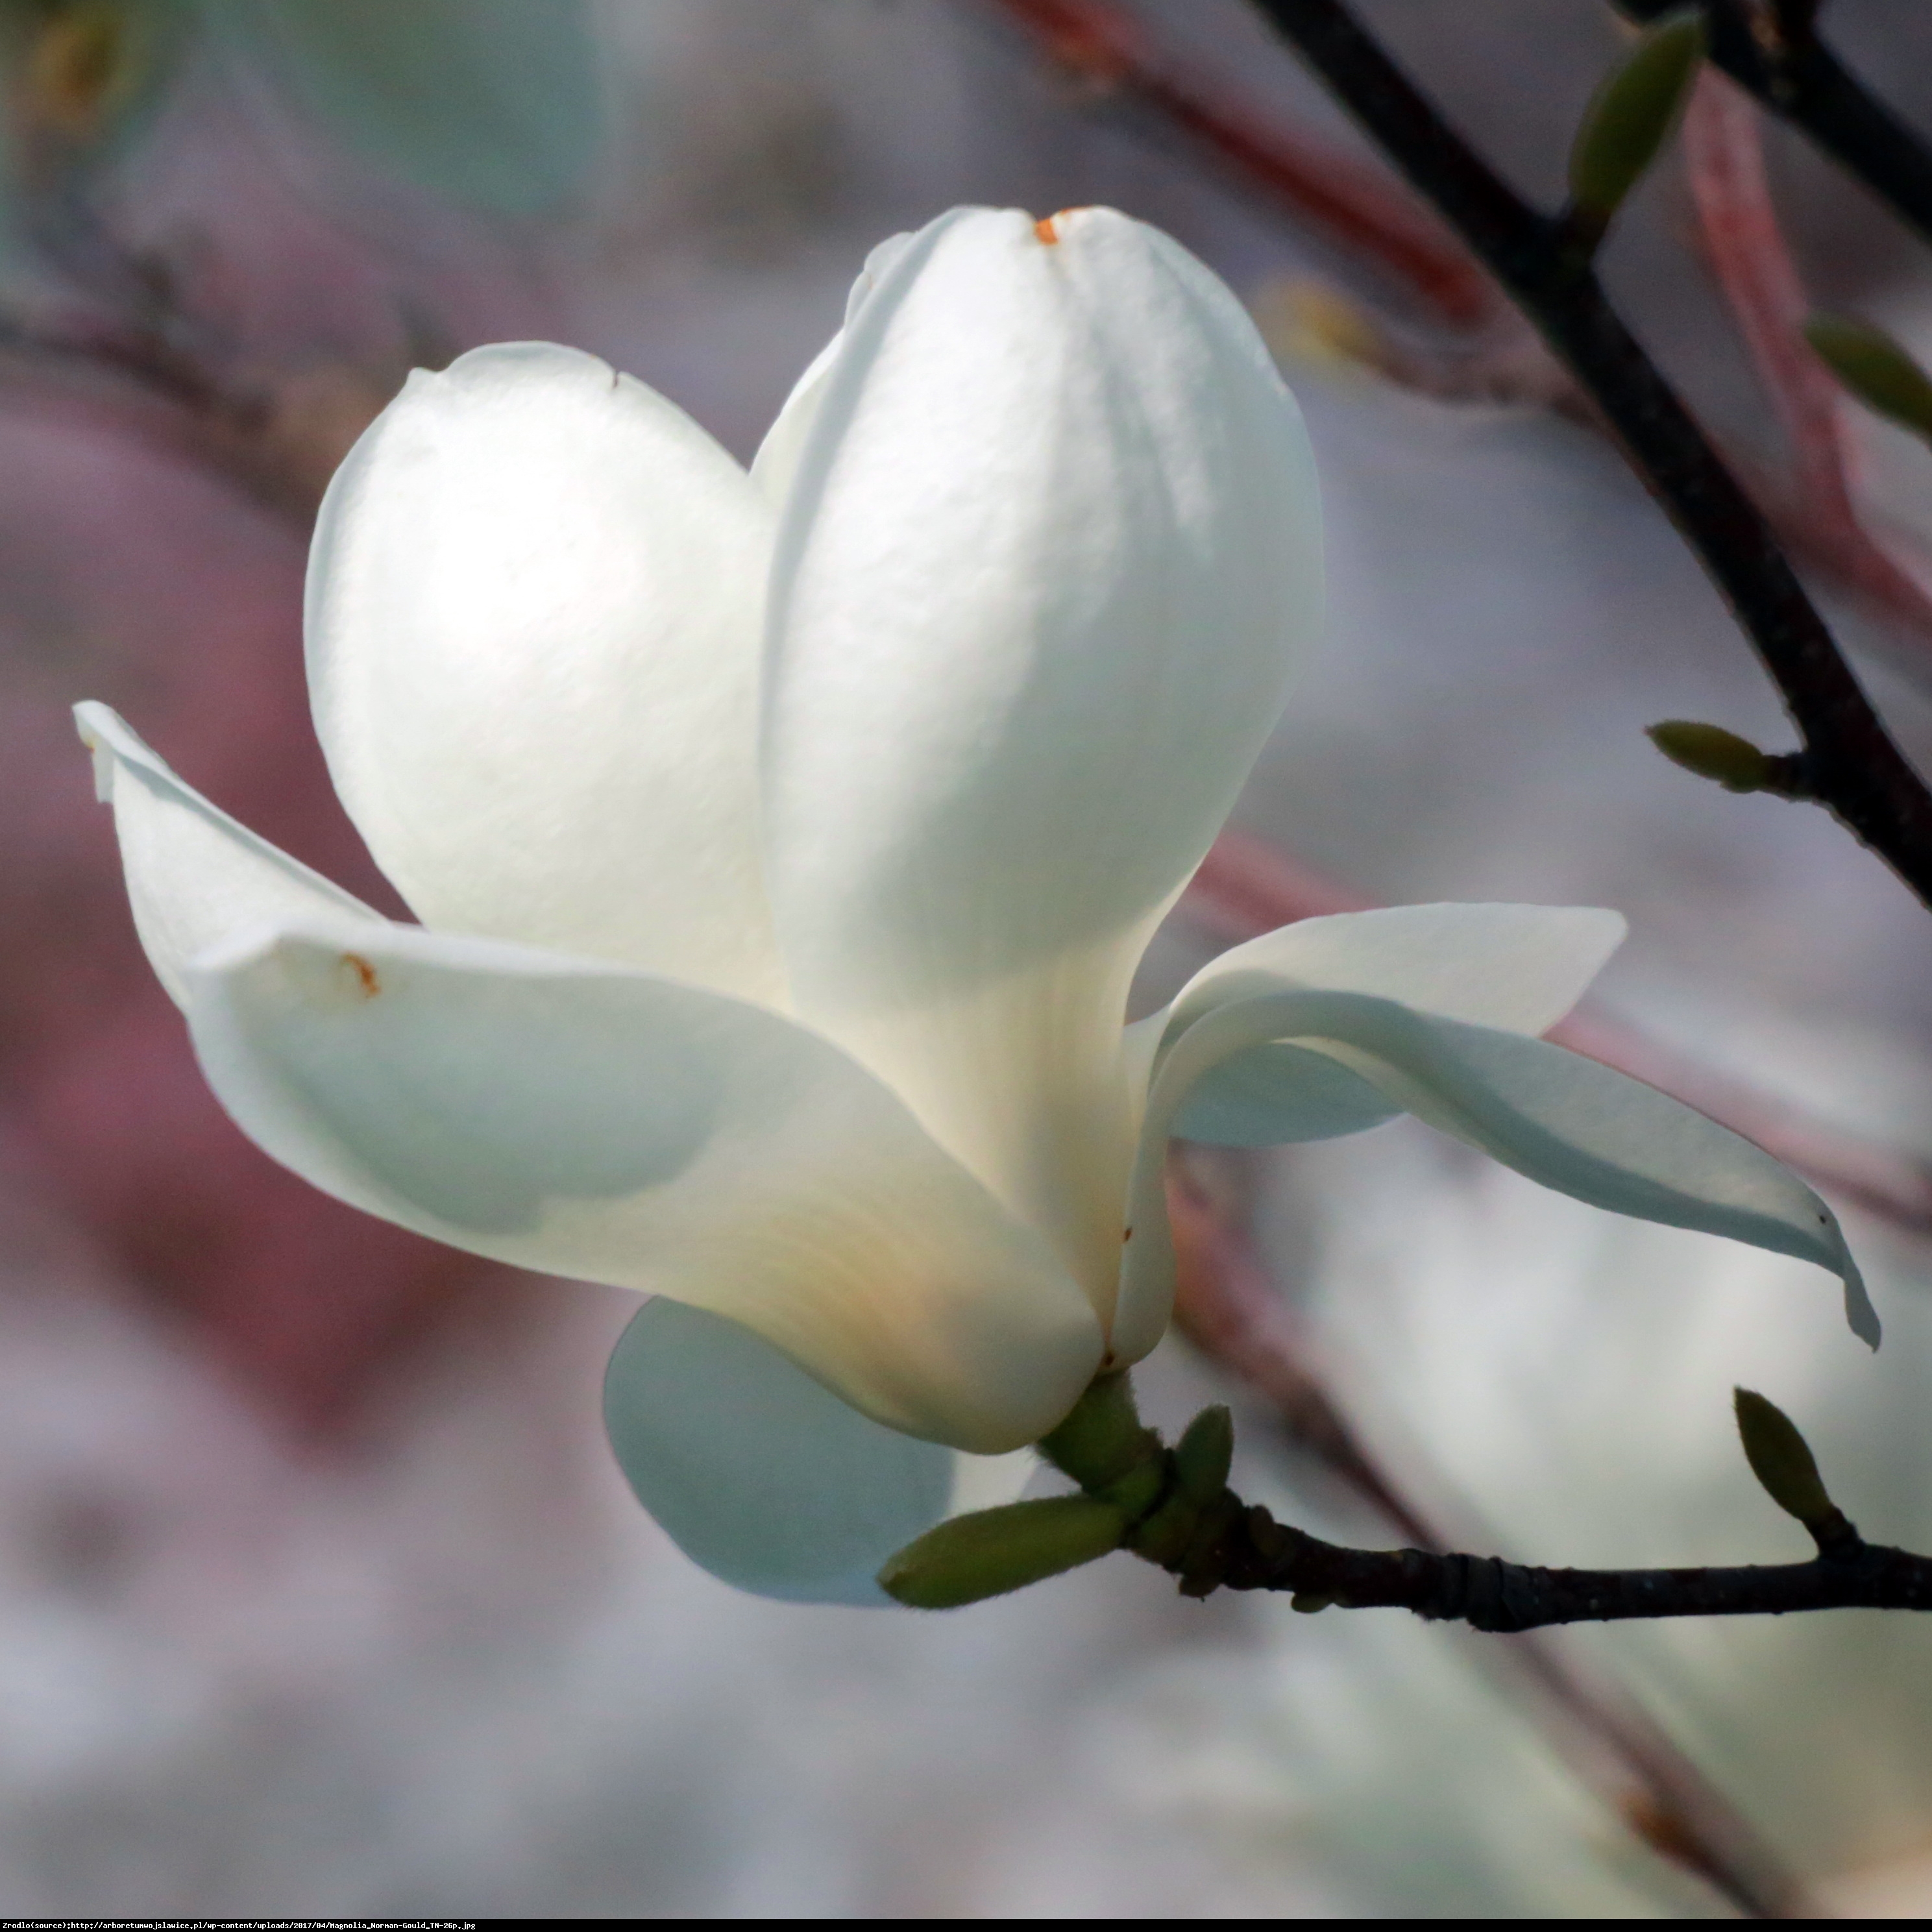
784	845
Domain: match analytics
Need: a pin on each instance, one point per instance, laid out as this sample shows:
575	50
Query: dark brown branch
1256	1552
1778	57
1198	1529
1851	763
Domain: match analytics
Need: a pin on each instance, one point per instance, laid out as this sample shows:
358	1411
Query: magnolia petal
534	608
586	1121
1052	554
1574	1126
195	878
1519	967
776	463
761	1476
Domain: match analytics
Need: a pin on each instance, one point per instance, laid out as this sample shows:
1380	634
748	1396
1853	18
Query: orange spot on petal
1045	231
365	974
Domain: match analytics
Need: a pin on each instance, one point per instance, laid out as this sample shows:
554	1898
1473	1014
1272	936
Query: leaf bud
1630	117
1874	368
987	1553
1203	1455
1781	1460
1712	752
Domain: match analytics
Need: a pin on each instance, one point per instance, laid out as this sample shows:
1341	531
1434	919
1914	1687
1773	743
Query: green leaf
1712	752
1632	113
990	1552
492	103
1781	1459
1874	368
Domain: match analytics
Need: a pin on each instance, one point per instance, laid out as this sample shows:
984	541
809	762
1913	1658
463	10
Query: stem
1855	769
1487	1594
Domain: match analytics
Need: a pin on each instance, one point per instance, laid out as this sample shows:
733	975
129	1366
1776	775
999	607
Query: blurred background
318	1595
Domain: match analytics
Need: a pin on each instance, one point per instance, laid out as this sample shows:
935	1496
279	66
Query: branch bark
1849	762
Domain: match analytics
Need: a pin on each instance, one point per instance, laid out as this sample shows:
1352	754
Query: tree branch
1256	1552
1202	1533
1849	762
1775	54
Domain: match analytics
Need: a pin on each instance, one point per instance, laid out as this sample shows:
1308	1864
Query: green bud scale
1630	116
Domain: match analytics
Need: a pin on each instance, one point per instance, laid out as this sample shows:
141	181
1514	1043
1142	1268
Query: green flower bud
1202	1455
990	1552
1874	368
1781	1460
1712	752
1631	115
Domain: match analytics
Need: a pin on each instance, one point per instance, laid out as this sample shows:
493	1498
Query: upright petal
775	467
583	1119
1050	557
1576	1126
534	600
764	1478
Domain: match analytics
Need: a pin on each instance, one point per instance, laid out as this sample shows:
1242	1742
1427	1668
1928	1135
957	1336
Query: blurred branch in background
1816	515
226	233
1772	49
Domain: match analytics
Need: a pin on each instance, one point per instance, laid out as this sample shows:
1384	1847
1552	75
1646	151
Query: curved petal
763	1478
1519	968
534	607
581	1119
1052	554
195	877
775	465
1574	1126
587	1121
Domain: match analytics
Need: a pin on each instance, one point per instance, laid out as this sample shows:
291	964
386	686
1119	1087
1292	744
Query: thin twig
1849	760
1775	54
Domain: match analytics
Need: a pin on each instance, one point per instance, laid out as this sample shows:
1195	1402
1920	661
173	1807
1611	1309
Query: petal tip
87	716
1860	1315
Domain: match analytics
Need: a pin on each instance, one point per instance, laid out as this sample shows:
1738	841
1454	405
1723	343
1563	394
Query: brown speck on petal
365	974
1126	1235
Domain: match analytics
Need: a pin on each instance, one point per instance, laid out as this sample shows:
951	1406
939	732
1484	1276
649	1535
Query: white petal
762	1477
585	1120
1052	554
1578	1127
534	609
776	463
1520	967
195	877
588	1121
